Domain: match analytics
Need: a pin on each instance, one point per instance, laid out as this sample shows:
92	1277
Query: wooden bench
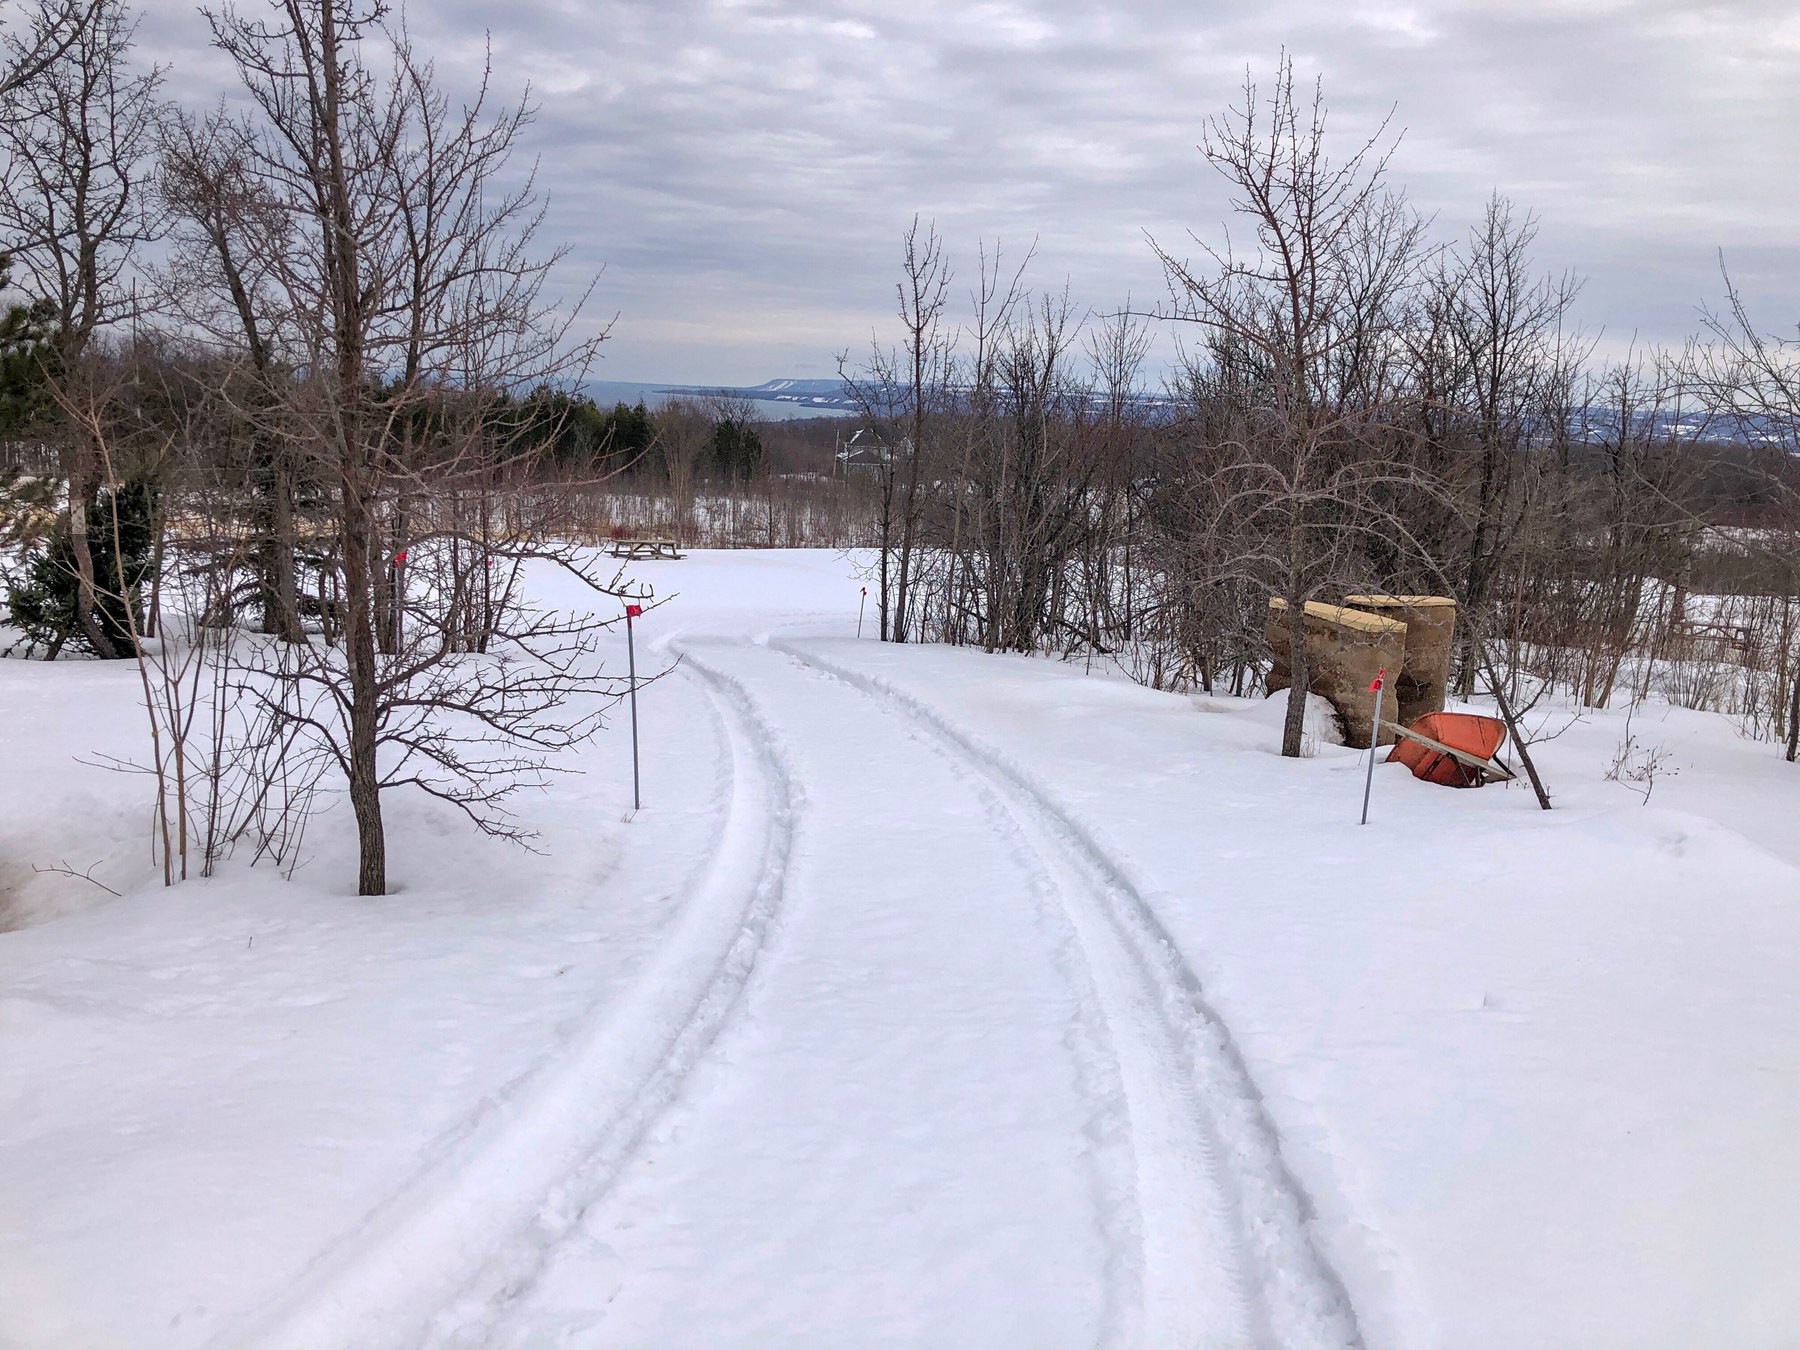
644	550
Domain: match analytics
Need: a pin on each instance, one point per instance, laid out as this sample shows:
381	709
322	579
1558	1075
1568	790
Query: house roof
865	446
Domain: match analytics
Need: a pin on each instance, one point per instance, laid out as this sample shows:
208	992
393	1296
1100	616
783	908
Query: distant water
608	392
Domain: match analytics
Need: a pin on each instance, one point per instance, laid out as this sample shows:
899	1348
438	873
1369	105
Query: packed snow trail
480	1210
954	1105
1156	999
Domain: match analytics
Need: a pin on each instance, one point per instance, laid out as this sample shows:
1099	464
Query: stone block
1430	621
1344	649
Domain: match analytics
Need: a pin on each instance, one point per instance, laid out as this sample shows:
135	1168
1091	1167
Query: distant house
866	452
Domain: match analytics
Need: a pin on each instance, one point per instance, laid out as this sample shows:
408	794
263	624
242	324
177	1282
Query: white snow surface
934	998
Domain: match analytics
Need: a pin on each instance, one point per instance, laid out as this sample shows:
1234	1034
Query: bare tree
51	29
412	301
1507	333
1636	535
1302	348
1750	380
992	309
1033	487
1117	351
684	432
927	346
225	227
75	209
900	392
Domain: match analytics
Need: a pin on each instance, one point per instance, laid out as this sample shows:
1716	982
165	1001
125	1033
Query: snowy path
479	1217
955	1068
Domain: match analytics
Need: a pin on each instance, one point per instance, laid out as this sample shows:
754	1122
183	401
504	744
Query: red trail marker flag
632	612
1376	686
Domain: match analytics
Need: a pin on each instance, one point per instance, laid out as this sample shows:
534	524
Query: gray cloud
744	169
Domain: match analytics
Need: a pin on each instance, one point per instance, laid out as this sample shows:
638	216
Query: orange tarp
1467	732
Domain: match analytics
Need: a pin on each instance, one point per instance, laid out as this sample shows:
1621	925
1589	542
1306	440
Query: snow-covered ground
934	998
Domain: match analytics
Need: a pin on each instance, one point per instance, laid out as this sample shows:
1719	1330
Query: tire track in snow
1104	1122
1175	1272
1167	1038
1088	1041
479	1220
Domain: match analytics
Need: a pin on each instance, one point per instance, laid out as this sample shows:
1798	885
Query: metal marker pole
1379	686
397	593
861	606
631	612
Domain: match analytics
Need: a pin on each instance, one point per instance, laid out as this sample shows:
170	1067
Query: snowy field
933	999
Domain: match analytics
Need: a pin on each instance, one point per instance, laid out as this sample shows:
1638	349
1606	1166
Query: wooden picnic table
645	550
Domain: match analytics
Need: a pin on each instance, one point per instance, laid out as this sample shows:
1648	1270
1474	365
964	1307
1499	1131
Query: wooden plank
1487	766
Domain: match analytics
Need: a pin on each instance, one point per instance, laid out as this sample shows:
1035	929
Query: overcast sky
744	170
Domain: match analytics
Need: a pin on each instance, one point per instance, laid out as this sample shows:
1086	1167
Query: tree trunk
909	510
365	799
382	570
903	570
1497	686
153	624
1793	737
280	597
83	489
1476	567
1293	726
887	544
360	650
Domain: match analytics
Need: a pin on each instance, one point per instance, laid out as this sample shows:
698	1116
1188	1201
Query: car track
476	1220
1167	1035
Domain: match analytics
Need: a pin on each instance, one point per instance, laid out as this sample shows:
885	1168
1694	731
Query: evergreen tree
44	596
632	434
737	449
27	357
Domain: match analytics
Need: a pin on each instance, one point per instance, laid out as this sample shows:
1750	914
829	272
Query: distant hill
779	400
